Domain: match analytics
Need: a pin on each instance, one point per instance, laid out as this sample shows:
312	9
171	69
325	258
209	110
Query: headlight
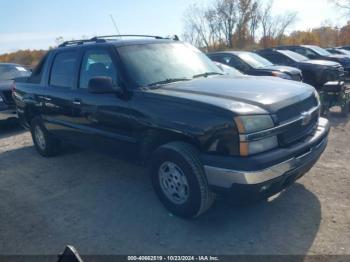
251	124
255	147
282	75
1	99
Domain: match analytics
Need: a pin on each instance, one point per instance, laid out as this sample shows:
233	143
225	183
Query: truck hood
321	63
283	69
241	95
343	59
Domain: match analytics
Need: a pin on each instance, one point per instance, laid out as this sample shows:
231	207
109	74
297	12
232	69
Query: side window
63	70
279	59
272	57
97	63
38	71
225	60
306	52
238	64
215	58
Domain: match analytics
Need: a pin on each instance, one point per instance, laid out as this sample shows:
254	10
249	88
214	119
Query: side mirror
102	85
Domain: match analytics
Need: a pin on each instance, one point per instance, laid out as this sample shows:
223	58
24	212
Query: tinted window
319	50
10	72
238	64
293	55
278	59
152	63
254	60
63	69
306	52
97	63
38	71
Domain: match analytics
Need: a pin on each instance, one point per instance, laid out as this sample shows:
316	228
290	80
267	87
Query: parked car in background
315	72
228	70
8	72
338	51
317	53
346	47
252	64
163	102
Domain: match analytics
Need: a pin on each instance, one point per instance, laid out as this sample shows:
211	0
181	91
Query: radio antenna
115	24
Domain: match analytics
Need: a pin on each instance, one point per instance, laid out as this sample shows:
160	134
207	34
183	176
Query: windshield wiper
168	81
207	74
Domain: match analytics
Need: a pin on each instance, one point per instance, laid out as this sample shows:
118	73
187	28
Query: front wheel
179	180
45	144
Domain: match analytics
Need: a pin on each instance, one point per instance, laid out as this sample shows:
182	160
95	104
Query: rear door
104	120
57	98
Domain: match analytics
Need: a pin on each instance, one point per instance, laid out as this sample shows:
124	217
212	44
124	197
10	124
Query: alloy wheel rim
40	138
173	183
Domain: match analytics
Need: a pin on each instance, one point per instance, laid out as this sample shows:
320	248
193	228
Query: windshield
294	56
254	60
163	62
9	72
320	50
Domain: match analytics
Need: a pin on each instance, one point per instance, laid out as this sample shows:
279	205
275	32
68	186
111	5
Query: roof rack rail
81	42
175	37
102	39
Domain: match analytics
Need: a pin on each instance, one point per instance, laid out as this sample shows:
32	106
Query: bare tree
282	22
195	27
274	27
343	5
226	10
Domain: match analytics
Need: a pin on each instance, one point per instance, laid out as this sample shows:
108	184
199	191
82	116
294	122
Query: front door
58	94
104	120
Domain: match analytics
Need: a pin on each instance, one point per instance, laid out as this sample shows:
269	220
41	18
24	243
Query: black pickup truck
163	102
315	72
317	53
253	64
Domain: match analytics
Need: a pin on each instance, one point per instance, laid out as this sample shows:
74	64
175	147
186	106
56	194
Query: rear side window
97	63
38	71
276	58
238	64
63	70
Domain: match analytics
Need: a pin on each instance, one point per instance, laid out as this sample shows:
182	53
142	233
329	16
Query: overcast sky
35	24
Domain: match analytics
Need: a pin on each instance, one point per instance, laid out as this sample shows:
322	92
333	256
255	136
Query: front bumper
7	111
276	165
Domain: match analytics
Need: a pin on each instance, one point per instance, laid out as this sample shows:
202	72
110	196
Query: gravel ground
103	205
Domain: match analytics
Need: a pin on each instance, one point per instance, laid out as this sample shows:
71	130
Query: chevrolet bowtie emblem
306	118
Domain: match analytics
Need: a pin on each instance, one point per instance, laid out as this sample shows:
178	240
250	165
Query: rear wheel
179	180
44	142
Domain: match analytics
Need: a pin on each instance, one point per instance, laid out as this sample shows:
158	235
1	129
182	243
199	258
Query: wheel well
155	139
29	115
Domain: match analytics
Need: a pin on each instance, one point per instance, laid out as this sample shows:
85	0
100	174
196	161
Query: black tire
51	146
185	157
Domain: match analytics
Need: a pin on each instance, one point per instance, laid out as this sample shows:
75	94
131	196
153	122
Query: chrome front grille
307	113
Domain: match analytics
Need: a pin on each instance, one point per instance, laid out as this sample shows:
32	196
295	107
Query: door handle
77	102
45	98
